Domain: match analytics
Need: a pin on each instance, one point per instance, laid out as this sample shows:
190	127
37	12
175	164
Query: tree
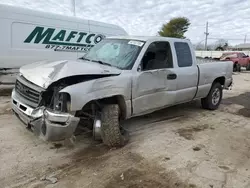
221	45
176	28
199	46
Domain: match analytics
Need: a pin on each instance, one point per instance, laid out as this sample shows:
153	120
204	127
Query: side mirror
245	56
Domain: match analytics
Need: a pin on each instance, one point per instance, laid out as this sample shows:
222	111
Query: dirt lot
182	146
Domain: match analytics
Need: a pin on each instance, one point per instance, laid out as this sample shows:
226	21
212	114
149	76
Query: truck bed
201	60
210	69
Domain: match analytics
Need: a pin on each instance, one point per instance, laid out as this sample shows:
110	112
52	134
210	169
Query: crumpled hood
45	73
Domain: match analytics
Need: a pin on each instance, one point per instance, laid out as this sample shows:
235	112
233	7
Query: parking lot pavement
182	146
7	81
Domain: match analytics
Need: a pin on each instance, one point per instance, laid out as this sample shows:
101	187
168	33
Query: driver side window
157	56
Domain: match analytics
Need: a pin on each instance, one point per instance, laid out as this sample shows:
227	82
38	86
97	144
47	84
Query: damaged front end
47	112
48	124
39	101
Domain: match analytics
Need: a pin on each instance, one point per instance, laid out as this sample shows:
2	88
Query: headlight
62	103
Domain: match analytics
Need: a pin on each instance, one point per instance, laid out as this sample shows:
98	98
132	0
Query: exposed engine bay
59	101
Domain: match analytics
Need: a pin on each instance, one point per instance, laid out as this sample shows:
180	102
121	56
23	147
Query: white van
27	36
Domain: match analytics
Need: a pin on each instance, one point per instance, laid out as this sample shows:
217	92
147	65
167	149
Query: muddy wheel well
235	63
94	105
220	80
118	99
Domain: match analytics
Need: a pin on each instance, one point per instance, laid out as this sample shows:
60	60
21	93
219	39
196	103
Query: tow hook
230	86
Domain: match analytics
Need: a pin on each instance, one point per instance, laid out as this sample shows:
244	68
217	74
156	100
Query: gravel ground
7	81
182	146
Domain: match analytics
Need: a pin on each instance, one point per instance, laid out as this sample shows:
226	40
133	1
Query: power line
216	38
196	25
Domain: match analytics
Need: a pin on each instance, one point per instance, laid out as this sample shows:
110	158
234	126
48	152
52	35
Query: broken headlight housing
62	102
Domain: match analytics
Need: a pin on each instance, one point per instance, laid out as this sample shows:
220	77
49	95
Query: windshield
120	53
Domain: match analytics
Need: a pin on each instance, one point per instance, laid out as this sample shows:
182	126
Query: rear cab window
229	55
240	55
183	53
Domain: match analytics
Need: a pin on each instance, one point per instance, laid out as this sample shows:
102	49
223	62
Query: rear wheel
238	67
111	133
213	99
248	66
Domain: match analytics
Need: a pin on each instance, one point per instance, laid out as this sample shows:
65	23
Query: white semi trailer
28	36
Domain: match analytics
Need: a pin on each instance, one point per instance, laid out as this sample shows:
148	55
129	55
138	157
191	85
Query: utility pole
206	33
245	40
74	7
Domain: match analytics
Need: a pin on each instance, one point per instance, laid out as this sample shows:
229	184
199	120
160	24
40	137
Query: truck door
154	84
243	59
187	73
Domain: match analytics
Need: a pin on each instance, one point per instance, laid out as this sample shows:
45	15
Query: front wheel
235	67
111	133
213	99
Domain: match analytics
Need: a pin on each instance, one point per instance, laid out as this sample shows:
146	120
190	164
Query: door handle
171	76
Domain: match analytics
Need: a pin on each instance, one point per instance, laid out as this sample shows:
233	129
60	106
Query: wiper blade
101	62
97	61
83	58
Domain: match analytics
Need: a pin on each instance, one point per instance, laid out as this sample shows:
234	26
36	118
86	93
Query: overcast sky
228	19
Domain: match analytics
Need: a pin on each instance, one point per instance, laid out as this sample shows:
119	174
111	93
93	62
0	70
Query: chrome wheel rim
216	96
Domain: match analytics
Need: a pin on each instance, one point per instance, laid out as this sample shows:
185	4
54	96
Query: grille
27	93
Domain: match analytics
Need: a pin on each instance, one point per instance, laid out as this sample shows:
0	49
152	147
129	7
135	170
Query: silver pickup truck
120	77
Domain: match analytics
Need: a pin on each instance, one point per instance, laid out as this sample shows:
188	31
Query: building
241	47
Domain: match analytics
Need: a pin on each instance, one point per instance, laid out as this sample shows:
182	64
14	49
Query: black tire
207	102
238	67
248	66
235	67
111	133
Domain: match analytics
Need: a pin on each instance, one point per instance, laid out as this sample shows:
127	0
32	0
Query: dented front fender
84	92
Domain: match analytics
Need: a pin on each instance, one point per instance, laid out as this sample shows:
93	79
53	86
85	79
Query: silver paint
45	73
142	91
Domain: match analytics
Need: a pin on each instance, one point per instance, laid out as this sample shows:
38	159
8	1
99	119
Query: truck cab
120	77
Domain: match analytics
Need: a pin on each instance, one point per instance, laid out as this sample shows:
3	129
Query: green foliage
175	28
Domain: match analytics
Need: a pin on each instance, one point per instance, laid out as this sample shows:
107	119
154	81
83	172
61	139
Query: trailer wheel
213	99
111	133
